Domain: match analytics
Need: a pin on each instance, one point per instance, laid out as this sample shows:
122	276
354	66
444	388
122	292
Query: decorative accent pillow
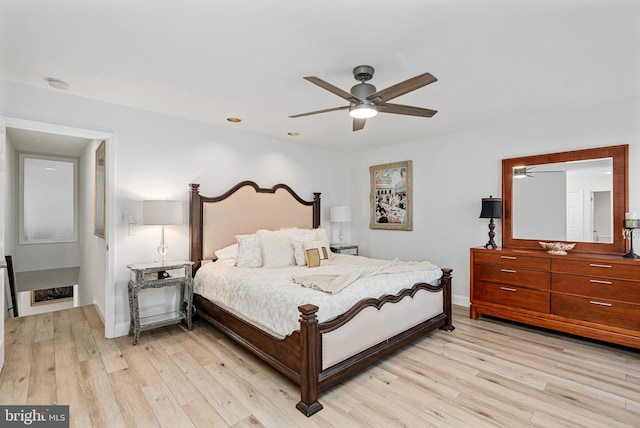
277	250
316	252
249	251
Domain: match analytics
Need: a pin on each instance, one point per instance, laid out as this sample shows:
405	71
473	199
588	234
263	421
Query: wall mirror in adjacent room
578	196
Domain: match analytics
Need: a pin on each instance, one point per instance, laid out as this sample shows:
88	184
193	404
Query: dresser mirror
579	196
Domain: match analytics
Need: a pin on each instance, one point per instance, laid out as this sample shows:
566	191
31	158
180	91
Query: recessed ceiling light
57	83
234	119
293	133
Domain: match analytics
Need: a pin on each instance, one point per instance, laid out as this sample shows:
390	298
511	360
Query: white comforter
269	299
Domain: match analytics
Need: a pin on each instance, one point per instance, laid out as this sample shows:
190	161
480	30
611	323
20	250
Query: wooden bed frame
299	355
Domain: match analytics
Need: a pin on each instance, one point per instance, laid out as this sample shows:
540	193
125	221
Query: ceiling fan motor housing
363	90
362	73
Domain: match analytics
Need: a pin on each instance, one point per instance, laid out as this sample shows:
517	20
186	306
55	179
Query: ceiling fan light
362	111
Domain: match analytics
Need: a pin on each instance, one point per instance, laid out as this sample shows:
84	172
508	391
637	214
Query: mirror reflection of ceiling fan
365	101
527	171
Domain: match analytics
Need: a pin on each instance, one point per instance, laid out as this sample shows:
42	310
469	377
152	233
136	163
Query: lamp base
631	254
491	245
492	234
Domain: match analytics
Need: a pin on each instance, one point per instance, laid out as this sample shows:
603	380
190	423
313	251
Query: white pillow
297	242
316	252
249	251
321	235
227	253
277	250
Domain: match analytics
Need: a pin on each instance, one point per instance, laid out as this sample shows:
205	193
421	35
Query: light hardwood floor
486	373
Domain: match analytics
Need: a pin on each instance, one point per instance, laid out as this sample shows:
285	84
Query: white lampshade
162	212
340	214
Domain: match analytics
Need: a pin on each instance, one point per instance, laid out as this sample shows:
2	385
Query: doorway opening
54	274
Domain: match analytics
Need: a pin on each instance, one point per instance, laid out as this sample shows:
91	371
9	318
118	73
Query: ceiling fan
366	101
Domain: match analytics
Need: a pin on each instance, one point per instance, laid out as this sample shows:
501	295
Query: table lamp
162	213
340	214
631	226
491	208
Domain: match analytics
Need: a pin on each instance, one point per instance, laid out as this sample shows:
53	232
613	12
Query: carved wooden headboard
214	222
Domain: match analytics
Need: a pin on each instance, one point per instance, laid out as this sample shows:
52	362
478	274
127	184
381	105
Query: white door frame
3	149
11	122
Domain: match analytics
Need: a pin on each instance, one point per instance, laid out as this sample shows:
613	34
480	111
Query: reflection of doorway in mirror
601	220
575	217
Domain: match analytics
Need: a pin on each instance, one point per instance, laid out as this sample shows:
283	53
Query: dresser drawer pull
593	302
508	289
509	257
508	270
597	281
599	266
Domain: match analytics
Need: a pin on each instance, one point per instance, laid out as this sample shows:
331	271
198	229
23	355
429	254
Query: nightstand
159	275
350	249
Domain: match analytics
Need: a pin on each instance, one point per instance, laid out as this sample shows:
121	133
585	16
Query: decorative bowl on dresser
593	291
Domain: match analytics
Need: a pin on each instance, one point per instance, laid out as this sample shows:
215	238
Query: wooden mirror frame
620	180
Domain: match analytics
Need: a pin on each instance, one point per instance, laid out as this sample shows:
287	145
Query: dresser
591	295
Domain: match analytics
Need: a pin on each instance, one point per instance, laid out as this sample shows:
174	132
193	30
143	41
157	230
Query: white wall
157	156
451	174
93	255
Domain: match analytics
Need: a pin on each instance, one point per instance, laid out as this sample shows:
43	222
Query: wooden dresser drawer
513	276
510	259
601	311
597	268
603	288
515	297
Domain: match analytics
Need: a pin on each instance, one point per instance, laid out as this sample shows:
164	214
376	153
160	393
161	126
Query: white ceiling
496	60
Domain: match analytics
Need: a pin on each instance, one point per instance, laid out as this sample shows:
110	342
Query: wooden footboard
299	356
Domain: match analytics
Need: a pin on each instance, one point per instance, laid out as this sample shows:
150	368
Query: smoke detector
57	83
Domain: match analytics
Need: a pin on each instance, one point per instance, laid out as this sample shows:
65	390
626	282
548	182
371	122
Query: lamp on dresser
340	214
491	208
162	213
631	226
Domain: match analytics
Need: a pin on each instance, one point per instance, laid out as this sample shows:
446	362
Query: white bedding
267	298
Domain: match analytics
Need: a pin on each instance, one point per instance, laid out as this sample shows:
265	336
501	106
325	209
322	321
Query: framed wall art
51	295
99	193
390	196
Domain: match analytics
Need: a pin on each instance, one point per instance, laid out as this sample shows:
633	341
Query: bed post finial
310	360
316	210
446	282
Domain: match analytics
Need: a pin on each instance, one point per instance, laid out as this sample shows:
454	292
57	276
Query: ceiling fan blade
403	87
319	111
358	124
334	89
408	110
